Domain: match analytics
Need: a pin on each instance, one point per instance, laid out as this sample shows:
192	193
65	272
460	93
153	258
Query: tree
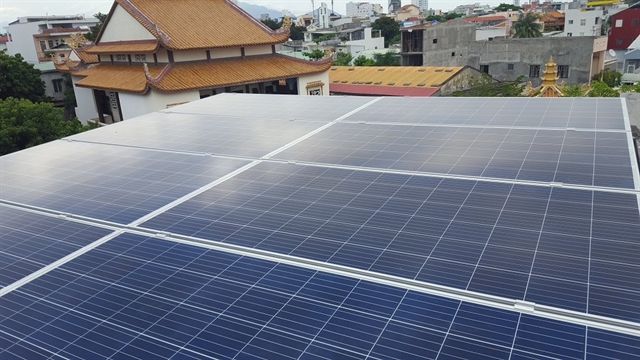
343	59
272	24
452	15
20	79
314	55
24	124
388	27
601	89
611	78
69	98
324	37
92	35
627	88
362	61
386	59
573	91
485	87
297	32
507	7
527	26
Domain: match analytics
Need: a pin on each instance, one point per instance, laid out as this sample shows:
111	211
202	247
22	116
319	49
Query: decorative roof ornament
549	86
327	53
286	24
162	36
76	40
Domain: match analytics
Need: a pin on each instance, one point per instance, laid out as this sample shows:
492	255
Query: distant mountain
257	10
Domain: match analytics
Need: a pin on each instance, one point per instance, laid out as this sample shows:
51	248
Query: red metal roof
4	39
381	90
484	18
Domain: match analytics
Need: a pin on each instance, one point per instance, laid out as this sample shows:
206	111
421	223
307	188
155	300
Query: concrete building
323	16
359	9
625	28
394	6
407	12
353	40
53	82
583	22
454	44
422	4
3	42
34	36
473	9
151	58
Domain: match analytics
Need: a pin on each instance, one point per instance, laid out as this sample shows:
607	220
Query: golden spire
550	77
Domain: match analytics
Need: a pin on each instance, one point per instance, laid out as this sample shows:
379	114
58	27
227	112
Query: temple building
152	54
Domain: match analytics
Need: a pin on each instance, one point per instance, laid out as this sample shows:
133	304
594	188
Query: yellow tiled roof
86	57
392	76
129	78
198	74
200	24
122	47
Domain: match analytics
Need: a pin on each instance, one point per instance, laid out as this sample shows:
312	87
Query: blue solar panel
516	241
604	114
214	134
105	182
569	243
586	158
128	298
29	242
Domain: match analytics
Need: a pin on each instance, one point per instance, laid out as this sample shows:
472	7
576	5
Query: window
121	57
619	23
57	42
510	66
563	71
43	45
570	22
597	20
583	22
618	41
631	69
57	85
569	34
435	41
453	54
534	71
141	57
484	69
50	44
635	22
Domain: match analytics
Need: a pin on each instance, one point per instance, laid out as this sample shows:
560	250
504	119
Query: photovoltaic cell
213	134
584	158
128	299
248	106
602	114
29	242
517	241
104	182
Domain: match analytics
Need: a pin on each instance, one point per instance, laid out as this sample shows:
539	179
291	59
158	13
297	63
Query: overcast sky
11	9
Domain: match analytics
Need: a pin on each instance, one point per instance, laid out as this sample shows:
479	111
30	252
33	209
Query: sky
12	9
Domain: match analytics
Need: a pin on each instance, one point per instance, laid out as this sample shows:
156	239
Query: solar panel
149	298
110	183
594	113
31	241
586	158
454	228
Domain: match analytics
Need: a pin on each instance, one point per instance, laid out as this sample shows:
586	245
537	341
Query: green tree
452	15
388	27
69	97
297	32
573	91
611	78
20	79
24	124
527	27
324	37
627	88
601	89
92	35
314	55
362	61
272	24
386	59
343	59
507	7
485	87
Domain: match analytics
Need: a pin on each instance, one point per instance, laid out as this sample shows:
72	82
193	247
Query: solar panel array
256	226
